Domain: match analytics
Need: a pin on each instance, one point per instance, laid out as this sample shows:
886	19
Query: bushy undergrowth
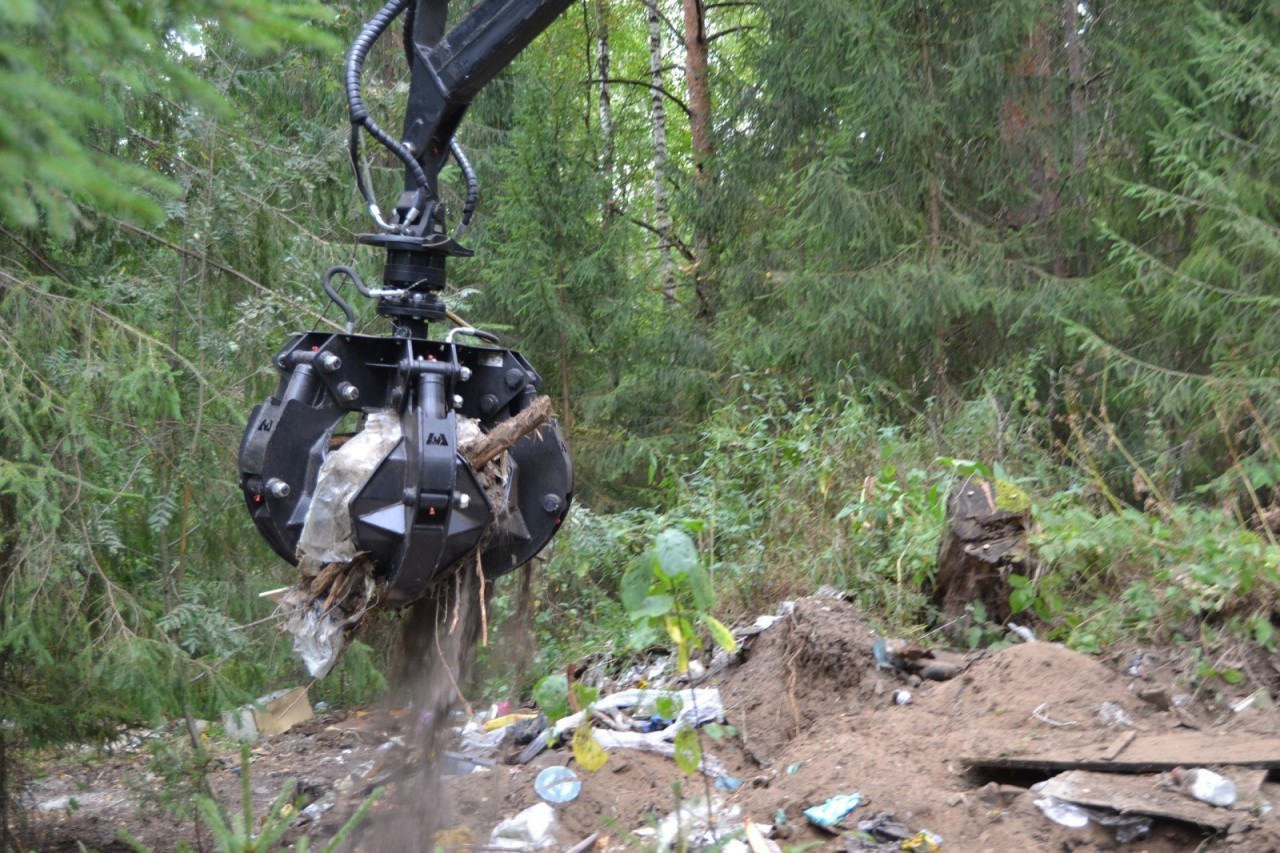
794	495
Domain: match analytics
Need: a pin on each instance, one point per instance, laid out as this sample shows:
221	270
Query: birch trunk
1079	142
658	121
606	109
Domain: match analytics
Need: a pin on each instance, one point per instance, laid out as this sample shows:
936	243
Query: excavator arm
411	454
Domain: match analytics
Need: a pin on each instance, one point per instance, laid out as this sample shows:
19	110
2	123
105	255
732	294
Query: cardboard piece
273	714
1148	753
282	711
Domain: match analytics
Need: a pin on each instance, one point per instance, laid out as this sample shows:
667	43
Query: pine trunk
934	194
699	103
658	121
8	518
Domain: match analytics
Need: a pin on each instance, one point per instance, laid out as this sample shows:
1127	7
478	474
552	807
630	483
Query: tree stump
985	541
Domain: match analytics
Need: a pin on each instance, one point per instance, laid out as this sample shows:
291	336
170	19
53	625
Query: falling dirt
814	717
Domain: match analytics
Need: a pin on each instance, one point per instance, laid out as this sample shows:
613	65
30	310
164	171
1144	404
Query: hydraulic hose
359	114
473	186
327	284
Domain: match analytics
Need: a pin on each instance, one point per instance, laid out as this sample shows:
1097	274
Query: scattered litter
1143	664
1111	715
317	635
833	810
1260	699
792	768
657	743
1147	753
924	840
728	783
318	808
1041	713
532	829
764	623
524	732
902	697
882	827
507	720
1062	813
694	825
1127	827
1022	632
461	764
478	739
557	784
757	842
1157	697
1180	700
697	706
1205	785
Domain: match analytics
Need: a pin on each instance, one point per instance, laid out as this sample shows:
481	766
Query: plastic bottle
1206	786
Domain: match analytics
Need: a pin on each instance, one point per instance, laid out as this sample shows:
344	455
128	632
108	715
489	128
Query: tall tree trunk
1030	126
8	518
566	410
1079	181
700	135
934	194
606	109
658	121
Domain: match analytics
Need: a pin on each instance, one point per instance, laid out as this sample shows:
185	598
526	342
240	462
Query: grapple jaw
419	456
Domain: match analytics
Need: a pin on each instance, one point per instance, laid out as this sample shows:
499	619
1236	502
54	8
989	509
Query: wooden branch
740	29
503	436
675	242
644	85
190	253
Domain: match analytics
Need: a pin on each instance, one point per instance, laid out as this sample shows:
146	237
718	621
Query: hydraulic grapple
410	455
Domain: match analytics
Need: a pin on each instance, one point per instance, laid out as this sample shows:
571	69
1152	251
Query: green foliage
1176	574
242	834
76	73
667	589
552	696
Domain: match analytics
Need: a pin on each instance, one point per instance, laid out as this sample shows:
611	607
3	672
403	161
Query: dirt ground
814	717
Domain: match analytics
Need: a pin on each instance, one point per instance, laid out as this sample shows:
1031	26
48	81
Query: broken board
1146	795
1142	754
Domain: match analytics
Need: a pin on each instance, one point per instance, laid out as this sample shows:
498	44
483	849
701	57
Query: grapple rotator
410	453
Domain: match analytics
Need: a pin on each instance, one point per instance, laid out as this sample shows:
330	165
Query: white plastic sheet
327	536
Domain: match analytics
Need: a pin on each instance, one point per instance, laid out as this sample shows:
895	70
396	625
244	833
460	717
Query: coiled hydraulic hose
360	117
473	186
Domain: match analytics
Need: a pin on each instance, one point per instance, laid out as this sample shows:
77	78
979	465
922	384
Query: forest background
787	269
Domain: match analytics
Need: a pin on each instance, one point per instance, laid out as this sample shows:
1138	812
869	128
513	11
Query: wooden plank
1120	745
1145	795
1144	754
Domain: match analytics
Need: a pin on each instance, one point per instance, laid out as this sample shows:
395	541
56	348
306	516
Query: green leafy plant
668	589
